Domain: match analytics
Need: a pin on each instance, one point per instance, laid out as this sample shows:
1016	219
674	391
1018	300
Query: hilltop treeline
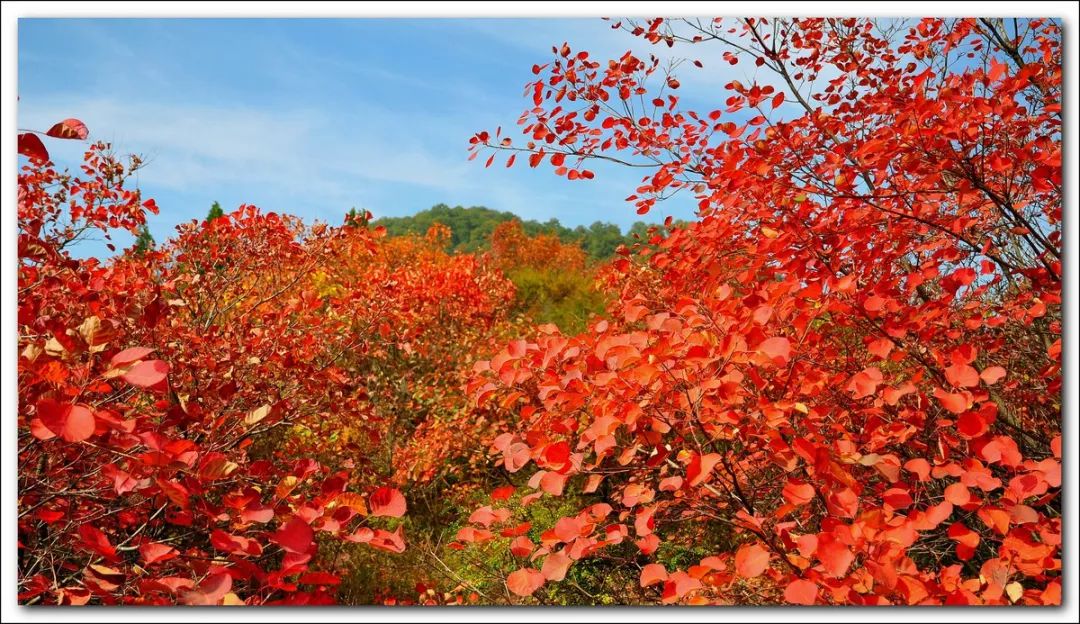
471	229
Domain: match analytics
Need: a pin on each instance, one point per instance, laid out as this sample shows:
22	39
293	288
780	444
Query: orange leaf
751	560
798	492
962	375
956	403
524	581
777	349
801	592
555	566
652	573
992	375
699	468
958	494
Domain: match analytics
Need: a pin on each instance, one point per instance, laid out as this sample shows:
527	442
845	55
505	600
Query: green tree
355	218
144	241
471	229
215	212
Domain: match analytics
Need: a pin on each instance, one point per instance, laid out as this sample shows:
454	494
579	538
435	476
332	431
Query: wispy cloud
312	117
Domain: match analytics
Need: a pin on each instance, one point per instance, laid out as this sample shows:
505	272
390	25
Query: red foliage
842	381
851	362
190	414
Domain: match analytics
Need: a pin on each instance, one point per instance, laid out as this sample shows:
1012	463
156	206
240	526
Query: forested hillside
471	229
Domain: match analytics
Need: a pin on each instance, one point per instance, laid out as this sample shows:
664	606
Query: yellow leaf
287	485
869	459
218	468
54	348
769	232
31	352
801	407
89	328
257	414
96	337
353	501
1015	591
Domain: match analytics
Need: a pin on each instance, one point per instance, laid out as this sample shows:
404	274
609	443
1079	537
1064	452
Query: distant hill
472	228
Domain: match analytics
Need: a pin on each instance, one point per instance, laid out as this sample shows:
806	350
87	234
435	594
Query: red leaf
522	546
865	383
557	454
294	536
386	501
568	529
73	423
257	514
798	492
897	498
648	544
482	516
32	147
211	591
874	303
235	544
153	552
127	356
470	535
880	348
678	585
503	493
972	424
390	542
69	129
835	556
95	539
553	483
919	466
146	373
515	531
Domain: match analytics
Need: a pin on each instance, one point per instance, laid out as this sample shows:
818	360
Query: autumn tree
841	383
152	387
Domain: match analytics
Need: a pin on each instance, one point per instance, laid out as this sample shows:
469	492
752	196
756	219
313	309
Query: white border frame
12	11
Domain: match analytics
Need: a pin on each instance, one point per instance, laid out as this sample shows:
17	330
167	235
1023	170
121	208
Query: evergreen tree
215	212
355	218
145	241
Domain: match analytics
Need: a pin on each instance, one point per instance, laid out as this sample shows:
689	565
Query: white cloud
286	150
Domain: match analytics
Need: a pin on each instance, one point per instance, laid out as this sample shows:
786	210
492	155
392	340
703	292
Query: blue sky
312	117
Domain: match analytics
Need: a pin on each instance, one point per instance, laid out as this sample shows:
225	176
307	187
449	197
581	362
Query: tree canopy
471	229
